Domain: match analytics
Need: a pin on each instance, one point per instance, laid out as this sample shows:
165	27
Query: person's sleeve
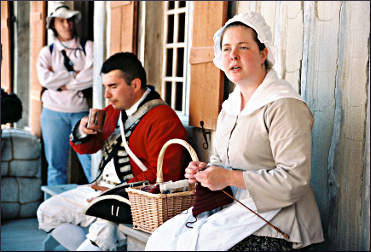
164	126
214	157
84	79
289	122
48	78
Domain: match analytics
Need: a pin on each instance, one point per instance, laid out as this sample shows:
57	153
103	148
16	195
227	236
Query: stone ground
23	235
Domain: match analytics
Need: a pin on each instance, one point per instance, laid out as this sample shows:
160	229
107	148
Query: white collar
68	45
271	89
134	108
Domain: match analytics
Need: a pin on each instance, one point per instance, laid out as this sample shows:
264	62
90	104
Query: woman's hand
213	177
83	127
192	169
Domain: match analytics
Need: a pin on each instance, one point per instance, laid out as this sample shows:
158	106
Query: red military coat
156	127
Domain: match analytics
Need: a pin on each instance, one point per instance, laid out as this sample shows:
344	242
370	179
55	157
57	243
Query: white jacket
270	141
53	74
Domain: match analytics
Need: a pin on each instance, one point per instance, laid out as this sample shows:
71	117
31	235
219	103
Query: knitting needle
273	226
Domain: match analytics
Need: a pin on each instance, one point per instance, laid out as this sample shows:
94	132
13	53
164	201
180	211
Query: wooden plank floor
23	235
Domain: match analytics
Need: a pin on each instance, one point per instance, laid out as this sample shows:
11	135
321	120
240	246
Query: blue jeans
56	128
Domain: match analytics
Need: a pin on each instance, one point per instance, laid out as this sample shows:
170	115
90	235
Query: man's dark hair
11	107
128	64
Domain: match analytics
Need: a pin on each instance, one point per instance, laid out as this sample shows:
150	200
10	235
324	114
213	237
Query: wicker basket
150	210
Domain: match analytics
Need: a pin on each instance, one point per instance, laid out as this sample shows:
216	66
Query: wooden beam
38	40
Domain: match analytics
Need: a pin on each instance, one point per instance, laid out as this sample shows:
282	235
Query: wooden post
38	40
6	59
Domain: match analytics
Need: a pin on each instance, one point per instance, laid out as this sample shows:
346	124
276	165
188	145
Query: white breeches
69	206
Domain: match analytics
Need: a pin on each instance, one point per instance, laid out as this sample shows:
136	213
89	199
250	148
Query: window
175	90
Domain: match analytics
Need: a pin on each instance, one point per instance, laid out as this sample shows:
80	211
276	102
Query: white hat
256	22
62	11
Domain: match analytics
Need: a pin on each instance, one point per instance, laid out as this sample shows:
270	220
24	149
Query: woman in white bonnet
65	71
262	150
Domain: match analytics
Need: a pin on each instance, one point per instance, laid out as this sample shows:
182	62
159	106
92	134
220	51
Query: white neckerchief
271	89
68	43
134	108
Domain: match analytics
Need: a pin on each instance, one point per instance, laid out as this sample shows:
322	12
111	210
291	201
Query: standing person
137	111
262	151
65	69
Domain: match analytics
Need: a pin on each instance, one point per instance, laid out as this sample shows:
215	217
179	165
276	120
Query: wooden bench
136	239
51	190
49	243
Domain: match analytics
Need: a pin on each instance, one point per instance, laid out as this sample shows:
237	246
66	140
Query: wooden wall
322	48
6	47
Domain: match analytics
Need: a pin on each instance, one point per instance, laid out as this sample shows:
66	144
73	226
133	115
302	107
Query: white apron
218	232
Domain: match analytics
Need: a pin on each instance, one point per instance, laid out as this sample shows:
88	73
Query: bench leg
50	243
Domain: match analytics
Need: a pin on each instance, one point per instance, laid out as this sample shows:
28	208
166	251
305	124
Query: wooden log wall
322	48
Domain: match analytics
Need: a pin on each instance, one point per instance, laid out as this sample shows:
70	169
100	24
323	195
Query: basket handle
160	160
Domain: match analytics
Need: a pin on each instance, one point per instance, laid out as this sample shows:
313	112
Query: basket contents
177	186
151	188
167	187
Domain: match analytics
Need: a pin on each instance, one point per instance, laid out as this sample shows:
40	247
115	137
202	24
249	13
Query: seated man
148	123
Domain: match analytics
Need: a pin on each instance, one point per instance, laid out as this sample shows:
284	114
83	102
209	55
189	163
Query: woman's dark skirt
262	243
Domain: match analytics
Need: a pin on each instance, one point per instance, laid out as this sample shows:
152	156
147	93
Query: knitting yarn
207	200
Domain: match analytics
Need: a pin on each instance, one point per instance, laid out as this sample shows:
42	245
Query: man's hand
97	187
83	127
91	199
100	188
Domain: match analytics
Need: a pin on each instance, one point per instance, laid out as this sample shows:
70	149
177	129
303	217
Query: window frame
184	113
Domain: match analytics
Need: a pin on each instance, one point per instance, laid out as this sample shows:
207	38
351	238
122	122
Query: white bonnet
256	22
62	11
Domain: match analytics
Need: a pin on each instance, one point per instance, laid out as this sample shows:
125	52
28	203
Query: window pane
180	60
179	95
168	93
170	29
171	5
182	4
169	62
181	27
